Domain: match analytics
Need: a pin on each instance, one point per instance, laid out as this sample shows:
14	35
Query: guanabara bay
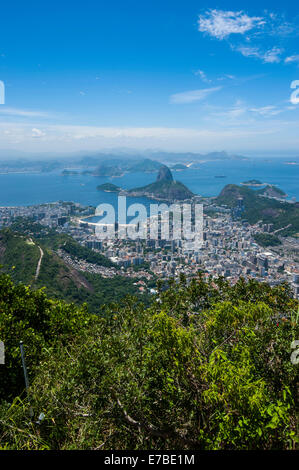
149	231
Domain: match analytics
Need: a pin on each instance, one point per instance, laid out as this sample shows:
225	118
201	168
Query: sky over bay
171	75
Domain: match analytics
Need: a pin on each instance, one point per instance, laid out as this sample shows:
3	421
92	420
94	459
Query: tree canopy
205	366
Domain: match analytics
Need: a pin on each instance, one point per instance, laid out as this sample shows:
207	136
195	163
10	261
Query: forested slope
19	256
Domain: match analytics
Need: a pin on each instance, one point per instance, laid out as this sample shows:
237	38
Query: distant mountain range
195	157
182	157
110	166
89	159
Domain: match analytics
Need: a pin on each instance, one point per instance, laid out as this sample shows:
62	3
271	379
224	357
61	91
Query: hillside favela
149	230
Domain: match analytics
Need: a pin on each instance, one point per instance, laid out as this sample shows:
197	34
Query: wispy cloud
193	95
218	134
226	76
267	111
256	30
221	24
232	113
37	133
242	114
271	56
22	112
292	59
203	76
71	133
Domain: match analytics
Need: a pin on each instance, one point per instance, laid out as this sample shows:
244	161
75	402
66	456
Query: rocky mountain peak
164	174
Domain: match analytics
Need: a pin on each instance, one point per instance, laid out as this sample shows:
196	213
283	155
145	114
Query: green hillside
145	165
272	191
266	239
257	207
19	257
81	252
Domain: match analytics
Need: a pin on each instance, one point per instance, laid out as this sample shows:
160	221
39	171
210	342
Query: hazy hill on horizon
92	157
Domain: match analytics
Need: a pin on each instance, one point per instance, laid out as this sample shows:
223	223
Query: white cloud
22	112
69	133
232	113
226	76
248	51
221	24
273	55
291	59
192	95
267	111
270	56
203	76
234	135
37	133
278	26
241	113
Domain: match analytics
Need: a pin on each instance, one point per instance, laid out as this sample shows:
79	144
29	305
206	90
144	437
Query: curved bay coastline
30	188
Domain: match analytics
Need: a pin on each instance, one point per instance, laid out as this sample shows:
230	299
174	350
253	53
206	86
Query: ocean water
36	188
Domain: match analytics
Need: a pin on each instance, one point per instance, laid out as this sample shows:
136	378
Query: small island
69	173
109	188
253	183
179	167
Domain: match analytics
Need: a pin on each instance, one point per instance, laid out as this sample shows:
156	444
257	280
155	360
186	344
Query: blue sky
171	75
